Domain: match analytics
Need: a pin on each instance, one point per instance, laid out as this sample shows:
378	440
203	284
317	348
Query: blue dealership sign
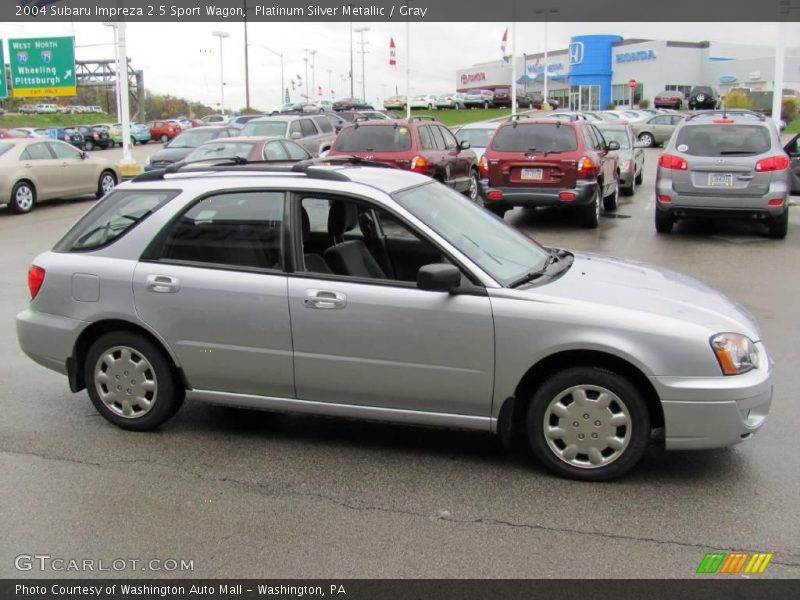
635	56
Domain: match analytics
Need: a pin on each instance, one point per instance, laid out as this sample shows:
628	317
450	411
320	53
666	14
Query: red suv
548	162
419	144
162	130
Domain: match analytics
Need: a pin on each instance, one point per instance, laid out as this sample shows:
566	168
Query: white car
427	101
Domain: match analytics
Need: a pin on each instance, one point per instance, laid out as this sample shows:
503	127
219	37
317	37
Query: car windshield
617	135
373	138
542	137
265	129
723	140
477	138
193	138
221	150
503	252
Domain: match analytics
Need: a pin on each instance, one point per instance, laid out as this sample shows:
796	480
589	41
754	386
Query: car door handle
324	299
163	284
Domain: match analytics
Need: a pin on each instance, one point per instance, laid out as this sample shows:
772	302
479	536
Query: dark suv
703	96
549	162
419	144
502	97
535	100
94	137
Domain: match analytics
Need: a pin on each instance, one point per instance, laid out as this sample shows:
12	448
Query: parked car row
44	109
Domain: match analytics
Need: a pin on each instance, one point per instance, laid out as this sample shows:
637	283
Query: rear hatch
721	159
392	144
533	155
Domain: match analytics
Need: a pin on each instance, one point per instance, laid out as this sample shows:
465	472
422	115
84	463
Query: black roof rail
303	165
723	112
421	118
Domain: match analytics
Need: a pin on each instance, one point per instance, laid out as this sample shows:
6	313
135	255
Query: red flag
392	53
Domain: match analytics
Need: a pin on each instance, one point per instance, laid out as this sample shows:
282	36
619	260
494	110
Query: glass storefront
584	97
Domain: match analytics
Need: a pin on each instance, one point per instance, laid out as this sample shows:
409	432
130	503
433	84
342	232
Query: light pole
330	83
546	12
363	52
279	55
246	61
117	69
313	54
351	56
221	35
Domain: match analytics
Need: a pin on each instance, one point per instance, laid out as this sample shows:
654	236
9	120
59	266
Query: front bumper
715	412
533	196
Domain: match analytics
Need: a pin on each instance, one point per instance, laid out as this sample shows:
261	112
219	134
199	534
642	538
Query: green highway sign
3	84
42	67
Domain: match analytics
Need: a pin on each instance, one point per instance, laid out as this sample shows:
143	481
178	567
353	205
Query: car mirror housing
296	135
612	145
438	277
464	145
83	155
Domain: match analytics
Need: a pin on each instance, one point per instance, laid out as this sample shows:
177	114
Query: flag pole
514	63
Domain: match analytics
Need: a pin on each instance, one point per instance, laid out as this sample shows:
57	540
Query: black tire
23	198
133	142
145	141
473	192
103	182
779	226
590	214
640	177
88	145
164	138
611	202
664	222
169	393
647	139
636	430
500	211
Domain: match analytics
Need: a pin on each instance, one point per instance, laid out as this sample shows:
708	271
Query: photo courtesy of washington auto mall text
399	299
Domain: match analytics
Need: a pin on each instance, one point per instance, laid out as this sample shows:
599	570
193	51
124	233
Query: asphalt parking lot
244	493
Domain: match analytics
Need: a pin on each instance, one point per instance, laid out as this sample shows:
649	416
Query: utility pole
330	83
363	52
351	56
221	35
127	159
780	59
246	61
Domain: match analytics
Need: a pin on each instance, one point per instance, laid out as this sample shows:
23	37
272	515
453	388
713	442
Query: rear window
540	137
617	135
373	138
212	150
113	216
723	140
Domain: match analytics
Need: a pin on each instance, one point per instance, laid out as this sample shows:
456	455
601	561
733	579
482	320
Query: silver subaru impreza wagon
349	290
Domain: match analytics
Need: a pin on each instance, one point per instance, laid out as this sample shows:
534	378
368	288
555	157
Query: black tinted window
449	139
723	140
373	138
237	229
536	136
307	127
438	140
324	124
425	141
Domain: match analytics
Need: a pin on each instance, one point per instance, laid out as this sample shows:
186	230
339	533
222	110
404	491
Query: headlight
736	353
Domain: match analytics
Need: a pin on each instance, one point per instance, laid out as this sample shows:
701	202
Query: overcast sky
183	58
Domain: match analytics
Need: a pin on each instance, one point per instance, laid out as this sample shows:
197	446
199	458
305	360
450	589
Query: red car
549	162
11	133
667	99
419	144
162	130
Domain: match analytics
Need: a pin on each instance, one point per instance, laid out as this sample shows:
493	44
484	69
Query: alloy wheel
24	198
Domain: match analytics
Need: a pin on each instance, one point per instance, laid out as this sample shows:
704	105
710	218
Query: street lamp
117	69
313	54
279	55
546	12
221	35
363	52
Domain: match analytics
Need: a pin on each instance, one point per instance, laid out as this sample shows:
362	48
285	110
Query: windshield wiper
555	255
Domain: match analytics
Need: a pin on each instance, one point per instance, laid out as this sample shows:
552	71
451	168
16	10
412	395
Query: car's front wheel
588	423
106	183
88	146
164	138
647	139
664	222
131	382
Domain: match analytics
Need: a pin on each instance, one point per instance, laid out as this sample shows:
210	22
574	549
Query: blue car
139	132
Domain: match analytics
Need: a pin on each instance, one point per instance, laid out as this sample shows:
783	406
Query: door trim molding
353	411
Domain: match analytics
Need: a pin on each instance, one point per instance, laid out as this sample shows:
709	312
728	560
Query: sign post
42	67
632	86
3	84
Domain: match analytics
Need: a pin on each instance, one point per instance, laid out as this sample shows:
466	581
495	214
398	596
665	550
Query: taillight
35	280
773	163
483	166
96	135
725	121
567	196
419	164
776	202
670	161
586	168
664	199
495	195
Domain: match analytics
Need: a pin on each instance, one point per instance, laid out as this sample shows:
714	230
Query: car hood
171	155
644	288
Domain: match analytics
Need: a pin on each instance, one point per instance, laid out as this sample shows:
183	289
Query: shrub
737	100
790	107
644	103
611	106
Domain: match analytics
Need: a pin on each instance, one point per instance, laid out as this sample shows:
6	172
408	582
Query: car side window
600	142
38	151
274	151
588	138
425	140
65	151
438	140
324	124
237	229
295	151
294	127
308	128
675	119
449	139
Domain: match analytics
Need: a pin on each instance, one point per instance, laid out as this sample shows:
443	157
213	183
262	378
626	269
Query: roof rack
421	118
722	112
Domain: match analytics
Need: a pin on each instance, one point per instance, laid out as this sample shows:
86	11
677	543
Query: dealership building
596	70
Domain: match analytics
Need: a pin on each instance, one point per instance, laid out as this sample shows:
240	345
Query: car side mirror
438	277
295	135
464	145
612	145
83	155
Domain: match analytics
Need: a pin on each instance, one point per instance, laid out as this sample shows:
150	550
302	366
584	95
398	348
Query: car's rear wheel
588	423
23	198
631	189
88	145
779	226
610	202
131	382
590	214
486	105
164	138
647	139
640	177
664	222
473	191
106	183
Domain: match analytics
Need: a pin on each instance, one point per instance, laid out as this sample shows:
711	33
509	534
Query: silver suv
724	164
380	294
314	133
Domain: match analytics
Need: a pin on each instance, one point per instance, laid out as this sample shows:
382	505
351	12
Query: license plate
720	179
535	174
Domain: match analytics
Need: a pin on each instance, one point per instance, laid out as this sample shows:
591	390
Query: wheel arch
76	362
511	416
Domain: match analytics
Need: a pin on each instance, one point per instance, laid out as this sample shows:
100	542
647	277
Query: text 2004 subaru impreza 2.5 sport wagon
364	292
